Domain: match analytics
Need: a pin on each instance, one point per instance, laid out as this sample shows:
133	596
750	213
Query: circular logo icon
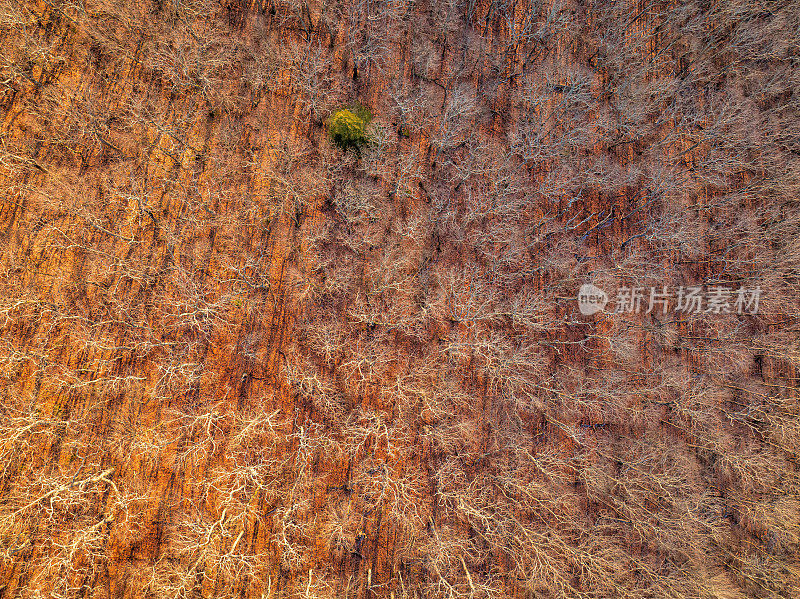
591	299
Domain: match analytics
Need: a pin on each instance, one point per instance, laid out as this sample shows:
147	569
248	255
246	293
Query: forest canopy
401	299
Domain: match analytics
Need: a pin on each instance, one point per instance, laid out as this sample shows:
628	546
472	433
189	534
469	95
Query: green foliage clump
348	127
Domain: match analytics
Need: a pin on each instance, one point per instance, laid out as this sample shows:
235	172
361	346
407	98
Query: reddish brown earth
237	360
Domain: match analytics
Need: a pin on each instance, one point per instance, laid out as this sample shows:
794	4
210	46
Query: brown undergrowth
238	360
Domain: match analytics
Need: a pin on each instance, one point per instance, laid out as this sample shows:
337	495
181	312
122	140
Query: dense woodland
239	360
